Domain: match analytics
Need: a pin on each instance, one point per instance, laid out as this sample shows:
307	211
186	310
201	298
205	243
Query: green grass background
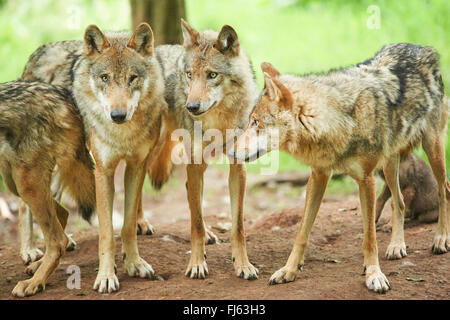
297	36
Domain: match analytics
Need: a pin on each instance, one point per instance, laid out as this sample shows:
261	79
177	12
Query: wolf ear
277	91
228	42
268	68
190	35
95	41
142	40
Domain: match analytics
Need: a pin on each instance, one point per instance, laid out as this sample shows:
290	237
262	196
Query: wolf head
270	120
120	72
214	66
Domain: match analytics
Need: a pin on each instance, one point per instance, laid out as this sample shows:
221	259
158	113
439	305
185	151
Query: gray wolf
40	127
355	120
55	63
419	190
118	86
209	81
119	89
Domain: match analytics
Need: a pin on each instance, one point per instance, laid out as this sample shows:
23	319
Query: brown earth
333	265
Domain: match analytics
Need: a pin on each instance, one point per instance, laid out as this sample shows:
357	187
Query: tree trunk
163	16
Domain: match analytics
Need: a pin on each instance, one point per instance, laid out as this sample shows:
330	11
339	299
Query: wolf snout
118	116
193	106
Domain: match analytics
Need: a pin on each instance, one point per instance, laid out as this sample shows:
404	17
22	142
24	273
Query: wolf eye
212	75
189	75
132	78
105	78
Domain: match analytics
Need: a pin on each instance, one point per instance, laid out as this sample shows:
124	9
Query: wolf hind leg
433	145
28	250
397	246
41	203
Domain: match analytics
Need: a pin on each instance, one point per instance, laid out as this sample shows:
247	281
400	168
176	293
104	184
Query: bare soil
333	265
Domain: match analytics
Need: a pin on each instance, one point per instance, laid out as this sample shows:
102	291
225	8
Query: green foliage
25	25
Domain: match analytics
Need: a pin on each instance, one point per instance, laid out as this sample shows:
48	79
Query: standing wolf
40	127
119	89
354	120
118	86
209	83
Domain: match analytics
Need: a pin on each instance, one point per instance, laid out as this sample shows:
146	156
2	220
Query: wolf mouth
197	114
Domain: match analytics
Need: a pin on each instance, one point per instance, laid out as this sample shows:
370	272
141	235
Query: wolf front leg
197	268
315	190
106	281
375	279
134	180
236	183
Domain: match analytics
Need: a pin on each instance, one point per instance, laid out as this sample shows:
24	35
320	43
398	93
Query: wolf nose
118	116
193	106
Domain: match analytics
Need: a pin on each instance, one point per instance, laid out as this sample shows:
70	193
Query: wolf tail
161	166
76	176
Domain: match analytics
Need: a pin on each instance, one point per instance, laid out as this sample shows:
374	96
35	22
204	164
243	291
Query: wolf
119	89
54	63
209	82
419	190
355	120
118	86
40	127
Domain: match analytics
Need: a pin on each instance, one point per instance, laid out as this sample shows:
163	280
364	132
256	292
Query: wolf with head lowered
355	120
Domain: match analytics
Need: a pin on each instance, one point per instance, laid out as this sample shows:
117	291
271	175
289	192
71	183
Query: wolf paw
210	237
246	271
31	255
376	280
139	268
284	275
28	288
145	228
197	269
396	251
71	245
441	244
32	267
106	283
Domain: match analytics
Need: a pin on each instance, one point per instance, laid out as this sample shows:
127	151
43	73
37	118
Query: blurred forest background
297	36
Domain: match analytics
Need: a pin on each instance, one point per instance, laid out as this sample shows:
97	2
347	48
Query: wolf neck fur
313	125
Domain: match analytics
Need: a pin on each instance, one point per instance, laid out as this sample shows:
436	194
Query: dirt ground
333	265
